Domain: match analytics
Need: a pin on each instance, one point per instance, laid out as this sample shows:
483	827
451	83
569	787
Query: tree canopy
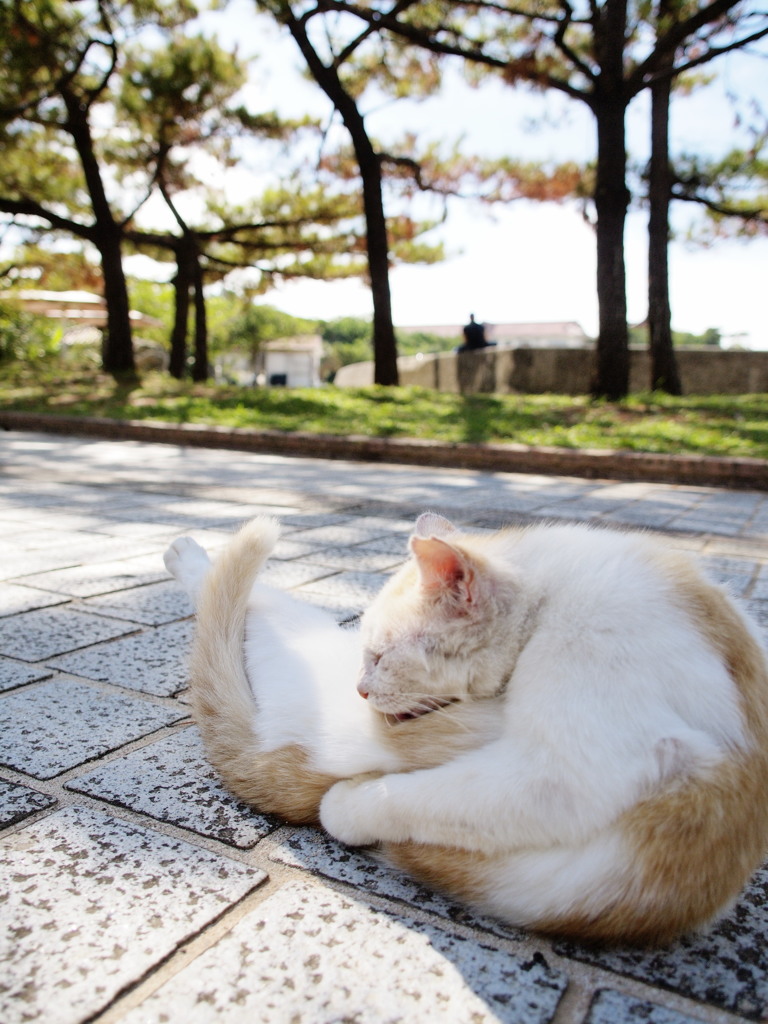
599	54
121	121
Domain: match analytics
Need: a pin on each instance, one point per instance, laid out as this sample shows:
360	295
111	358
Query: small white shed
292	362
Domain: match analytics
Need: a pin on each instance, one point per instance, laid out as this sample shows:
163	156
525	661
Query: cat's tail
223	704
222	701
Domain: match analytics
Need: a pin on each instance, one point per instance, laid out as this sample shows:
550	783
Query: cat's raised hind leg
189	563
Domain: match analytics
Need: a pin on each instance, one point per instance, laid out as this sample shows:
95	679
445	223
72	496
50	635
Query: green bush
257	324
26	336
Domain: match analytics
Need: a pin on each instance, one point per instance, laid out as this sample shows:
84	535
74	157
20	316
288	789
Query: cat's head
431	636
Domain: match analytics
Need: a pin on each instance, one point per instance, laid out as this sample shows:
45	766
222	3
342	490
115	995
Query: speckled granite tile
727	967
43	535
708	521
33	636
18	802
292	547
14	673
49	729
308	954
315	851
341	534
569	514
94	903
152	605
101	578
135	533
637	516
337	605
309	520
758	610
16	563
352	588
760	590
153	661
393	544
15	599
191	514
401	526
754	545
79	546
361	558
187	510
287	574
610	1007
171	780
722	567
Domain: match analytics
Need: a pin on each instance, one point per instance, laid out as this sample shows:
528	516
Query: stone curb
704	470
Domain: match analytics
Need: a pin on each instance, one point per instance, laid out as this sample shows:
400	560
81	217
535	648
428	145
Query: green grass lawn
730	425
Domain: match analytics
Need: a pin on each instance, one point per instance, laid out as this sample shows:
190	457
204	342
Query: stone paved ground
134	889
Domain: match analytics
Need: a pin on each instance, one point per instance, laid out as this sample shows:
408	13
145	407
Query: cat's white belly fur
303	668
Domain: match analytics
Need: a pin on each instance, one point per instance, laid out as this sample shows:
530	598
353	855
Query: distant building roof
71	298
72	306
299	343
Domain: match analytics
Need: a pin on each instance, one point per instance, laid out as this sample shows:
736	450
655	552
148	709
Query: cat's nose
362	691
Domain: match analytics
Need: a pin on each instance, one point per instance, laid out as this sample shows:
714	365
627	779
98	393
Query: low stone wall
706	470
704	371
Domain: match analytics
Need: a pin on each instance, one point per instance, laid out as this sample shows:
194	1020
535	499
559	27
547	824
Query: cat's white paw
188	562
343	813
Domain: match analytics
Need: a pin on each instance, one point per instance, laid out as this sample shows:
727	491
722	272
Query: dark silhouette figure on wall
474	336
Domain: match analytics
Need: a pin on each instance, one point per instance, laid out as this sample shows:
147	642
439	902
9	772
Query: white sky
526	261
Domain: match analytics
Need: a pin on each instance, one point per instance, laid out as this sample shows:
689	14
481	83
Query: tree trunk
377	243
377	247
611	202
664	371
182	283
200	365
117	349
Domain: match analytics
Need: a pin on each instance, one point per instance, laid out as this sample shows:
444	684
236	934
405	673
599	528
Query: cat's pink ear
443	568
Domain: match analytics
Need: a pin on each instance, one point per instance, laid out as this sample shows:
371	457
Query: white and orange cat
563	726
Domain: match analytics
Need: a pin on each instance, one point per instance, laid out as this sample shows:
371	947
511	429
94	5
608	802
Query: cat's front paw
188	562
343	813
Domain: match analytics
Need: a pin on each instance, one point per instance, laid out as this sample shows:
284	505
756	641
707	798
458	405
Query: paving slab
726	966
361	558
14	673
15	599
153	661
48	729
53	548
95	903
285	573
39	634
760	589
170	780
302	955
313	850
138	890
355	589
18	802
610	1006
90	580
151	605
